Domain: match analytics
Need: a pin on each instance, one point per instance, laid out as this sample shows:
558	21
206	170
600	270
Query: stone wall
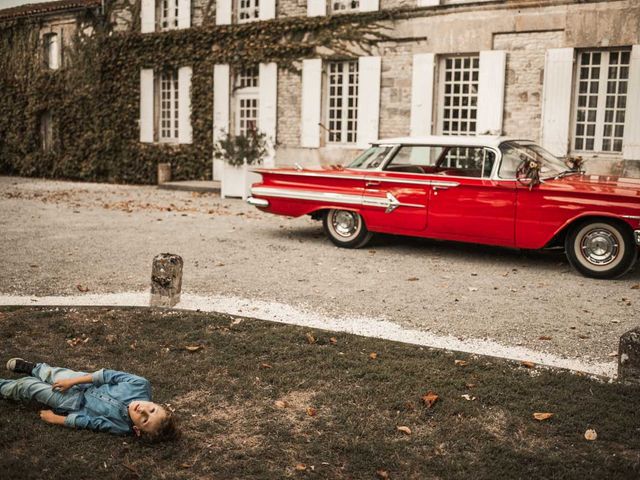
395	90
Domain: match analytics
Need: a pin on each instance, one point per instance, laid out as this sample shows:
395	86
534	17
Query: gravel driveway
63	238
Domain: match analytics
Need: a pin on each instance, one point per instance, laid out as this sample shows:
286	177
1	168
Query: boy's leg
30	388
51	375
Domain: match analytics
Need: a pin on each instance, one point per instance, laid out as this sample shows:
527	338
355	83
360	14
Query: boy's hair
167	430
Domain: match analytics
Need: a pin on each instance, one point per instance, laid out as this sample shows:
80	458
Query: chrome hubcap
599	247
345	223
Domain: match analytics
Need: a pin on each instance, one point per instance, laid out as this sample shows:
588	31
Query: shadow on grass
339	409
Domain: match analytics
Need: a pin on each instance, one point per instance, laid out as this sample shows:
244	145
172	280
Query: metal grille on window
601	100
248	10
169	105
344	5
342	111
460	101
247	83
169	14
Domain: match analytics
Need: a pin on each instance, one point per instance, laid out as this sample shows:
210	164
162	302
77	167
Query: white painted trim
146	105
556	100
221	77
422	94
185	130
184	13
369	5
148	16
316	8
369	69
428	3
267	9
223	12
631	140
268	107
311	102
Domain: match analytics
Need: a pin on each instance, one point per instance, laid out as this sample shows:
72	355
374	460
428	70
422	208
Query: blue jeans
38	387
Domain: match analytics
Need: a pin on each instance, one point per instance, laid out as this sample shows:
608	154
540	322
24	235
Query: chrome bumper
636	234
258	202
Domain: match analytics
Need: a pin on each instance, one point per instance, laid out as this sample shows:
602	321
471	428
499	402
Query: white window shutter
631	140
491	92
267	107
428	3
185	131
184	13
316	8
267	9
54	52
223	12
556	100
220	110
368	99
422	94
148	16
311	102
369	5
146	105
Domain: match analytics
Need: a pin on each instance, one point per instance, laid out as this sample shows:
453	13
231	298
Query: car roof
448	140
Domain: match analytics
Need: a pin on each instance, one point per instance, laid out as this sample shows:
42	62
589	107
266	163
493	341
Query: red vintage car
488	190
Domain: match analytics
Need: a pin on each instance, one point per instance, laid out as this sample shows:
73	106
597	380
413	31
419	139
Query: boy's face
146	416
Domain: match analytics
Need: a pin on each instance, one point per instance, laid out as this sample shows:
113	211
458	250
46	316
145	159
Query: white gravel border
283	313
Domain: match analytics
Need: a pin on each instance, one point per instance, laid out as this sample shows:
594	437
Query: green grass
224	396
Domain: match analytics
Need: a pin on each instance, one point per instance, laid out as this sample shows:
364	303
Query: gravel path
63	238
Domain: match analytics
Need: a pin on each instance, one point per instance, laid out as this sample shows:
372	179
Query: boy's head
152	421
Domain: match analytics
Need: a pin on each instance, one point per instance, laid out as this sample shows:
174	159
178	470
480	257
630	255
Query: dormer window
248	10
341	6
51	53
168	14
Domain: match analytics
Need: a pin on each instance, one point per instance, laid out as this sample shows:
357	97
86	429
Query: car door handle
372	183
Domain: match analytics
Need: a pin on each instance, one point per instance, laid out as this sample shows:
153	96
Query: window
474	162
248	10
168	14
247	84
371	158
338	6
601	99
169	106
459	95
51	55
46	131
342	110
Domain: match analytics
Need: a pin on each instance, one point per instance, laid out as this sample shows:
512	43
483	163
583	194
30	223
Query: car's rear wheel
601	249
346	228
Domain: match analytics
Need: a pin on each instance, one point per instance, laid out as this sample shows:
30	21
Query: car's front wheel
601	249
346	228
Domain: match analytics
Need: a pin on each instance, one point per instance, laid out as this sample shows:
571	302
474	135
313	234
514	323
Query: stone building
560	72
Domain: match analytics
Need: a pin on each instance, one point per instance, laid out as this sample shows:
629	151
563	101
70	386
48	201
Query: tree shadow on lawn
265	401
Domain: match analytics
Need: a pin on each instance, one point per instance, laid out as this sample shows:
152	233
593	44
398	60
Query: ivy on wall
94	100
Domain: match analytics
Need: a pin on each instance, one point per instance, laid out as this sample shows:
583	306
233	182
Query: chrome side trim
258	202
439	183
631	217
311	174
390	203
636	234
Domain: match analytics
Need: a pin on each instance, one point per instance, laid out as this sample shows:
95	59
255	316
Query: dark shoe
18	365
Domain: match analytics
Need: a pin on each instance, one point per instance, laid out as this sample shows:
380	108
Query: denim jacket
103	405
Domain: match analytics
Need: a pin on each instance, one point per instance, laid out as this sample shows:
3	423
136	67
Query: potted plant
239	152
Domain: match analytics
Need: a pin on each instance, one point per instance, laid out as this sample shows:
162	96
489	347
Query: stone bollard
164	173
166	280
629	357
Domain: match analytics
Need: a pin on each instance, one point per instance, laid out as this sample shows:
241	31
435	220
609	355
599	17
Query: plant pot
236	181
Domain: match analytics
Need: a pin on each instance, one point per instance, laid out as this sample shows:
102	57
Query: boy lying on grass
104	401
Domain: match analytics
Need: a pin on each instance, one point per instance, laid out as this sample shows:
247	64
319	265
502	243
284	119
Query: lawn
259	400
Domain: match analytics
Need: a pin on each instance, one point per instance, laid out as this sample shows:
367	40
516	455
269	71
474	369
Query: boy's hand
50	417
64	385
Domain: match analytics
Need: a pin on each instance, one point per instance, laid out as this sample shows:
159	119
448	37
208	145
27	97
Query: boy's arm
65	384
106	376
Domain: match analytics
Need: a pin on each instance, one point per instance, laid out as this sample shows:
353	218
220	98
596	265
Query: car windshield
516	152
371	158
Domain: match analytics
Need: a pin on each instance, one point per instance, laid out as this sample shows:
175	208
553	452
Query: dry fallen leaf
193	348
473	289
460	363
544	337
468	397
636	287
186	465
527	364
470	385
333	340
82	288
542	416
430	398
590	434
265	365
373	355
382	474
310	339
413	279
404	429
312	412
280	404
300	467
